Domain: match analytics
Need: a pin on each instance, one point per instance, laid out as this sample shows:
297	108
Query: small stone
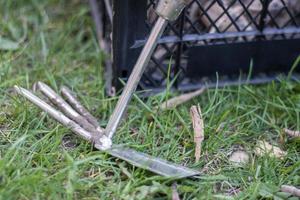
239	157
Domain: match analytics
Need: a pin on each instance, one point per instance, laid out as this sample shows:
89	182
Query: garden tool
73	115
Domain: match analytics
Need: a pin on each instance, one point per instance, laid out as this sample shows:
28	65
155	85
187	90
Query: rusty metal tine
67	109
74	102
60	117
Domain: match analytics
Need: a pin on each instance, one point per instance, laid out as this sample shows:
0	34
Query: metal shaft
135	77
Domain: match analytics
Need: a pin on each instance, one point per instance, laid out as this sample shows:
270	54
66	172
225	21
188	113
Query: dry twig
174	102
198	127
291	190
292	133
264	147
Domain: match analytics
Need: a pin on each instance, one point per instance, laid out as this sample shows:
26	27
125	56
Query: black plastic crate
213	40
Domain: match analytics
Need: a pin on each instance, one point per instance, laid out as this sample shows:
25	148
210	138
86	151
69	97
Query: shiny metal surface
135	77
153	164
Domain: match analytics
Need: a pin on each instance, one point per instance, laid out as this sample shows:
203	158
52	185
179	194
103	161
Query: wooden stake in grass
293	134
198	127
174	102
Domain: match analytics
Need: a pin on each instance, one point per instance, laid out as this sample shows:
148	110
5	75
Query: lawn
40	159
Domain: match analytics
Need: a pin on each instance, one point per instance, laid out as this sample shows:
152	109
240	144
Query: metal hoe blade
82	123
154	164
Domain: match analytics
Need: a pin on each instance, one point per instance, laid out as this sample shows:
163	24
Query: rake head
73	115
68	111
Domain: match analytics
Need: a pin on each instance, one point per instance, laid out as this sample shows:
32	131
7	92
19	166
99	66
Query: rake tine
72	100
57	115
67	109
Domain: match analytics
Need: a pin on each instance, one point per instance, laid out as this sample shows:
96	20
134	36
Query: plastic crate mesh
210	22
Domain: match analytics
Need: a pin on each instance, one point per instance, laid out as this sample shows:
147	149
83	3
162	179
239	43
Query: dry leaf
198	127
174	102
291	190
264	147
291	133
239	157
175	195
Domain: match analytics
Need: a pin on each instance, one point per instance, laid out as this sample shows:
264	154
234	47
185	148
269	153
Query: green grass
58	46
